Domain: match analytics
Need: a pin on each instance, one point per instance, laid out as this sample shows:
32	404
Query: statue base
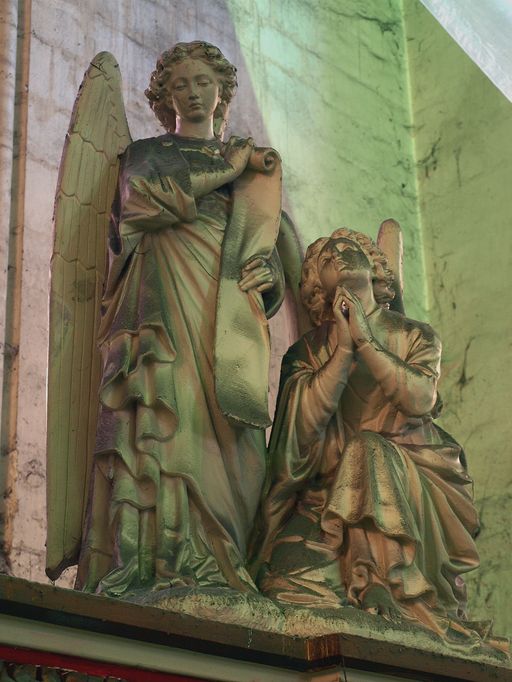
219	635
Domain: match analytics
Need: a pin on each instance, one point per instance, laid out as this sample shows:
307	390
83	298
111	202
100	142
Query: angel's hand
360	329
340	312
257	273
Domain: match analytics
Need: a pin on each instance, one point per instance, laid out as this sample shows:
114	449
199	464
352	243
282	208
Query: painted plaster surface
463	144
326	86
329	80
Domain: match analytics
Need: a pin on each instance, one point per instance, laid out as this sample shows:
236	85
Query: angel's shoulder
398	323
141	156
140	147
314	343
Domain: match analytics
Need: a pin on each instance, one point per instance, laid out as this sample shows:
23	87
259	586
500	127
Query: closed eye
179	85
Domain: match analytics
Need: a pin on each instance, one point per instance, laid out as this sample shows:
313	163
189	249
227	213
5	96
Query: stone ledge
289	649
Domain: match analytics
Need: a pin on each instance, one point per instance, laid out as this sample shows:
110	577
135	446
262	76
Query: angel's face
194	90
342	262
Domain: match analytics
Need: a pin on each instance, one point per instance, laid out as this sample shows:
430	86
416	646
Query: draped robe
175	484
361	492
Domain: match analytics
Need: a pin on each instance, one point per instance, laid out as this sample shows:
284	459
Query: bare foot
378	600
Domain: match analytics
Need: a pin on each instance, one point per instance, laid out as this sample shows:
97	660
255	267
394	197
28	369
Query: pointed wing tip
390	239
103	59
54	572
390	225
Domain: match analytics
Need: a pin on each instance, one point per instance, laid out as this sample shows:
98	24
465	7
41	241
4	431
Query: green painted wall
329	79
463	145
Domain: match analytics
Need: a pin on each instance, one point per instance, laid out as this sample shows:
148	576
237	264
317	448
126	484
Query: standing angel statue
369	502
159	345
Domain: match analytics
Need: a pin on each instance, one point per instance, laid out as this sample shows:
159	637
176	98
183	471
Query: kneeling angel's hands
360	329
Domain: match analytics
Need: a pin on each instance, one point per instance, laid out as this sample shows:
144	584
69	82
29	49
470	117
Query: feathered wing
97	134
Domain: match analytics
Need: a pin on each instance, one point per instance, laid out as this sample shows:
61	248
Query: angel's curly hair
158	90
314	296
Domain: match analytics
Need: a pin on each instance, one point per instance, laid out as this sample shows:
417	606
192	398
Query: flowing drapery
175	484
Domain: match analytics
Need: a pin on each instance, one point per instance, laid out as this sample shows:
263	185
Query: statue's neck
202	130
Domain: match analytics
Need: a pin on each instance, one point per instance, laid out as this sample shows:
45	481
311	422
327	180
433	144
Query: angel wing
98	133
390	241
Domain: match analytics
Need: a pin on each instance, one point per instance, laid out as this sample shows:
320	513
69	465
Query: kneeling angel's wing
390	241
